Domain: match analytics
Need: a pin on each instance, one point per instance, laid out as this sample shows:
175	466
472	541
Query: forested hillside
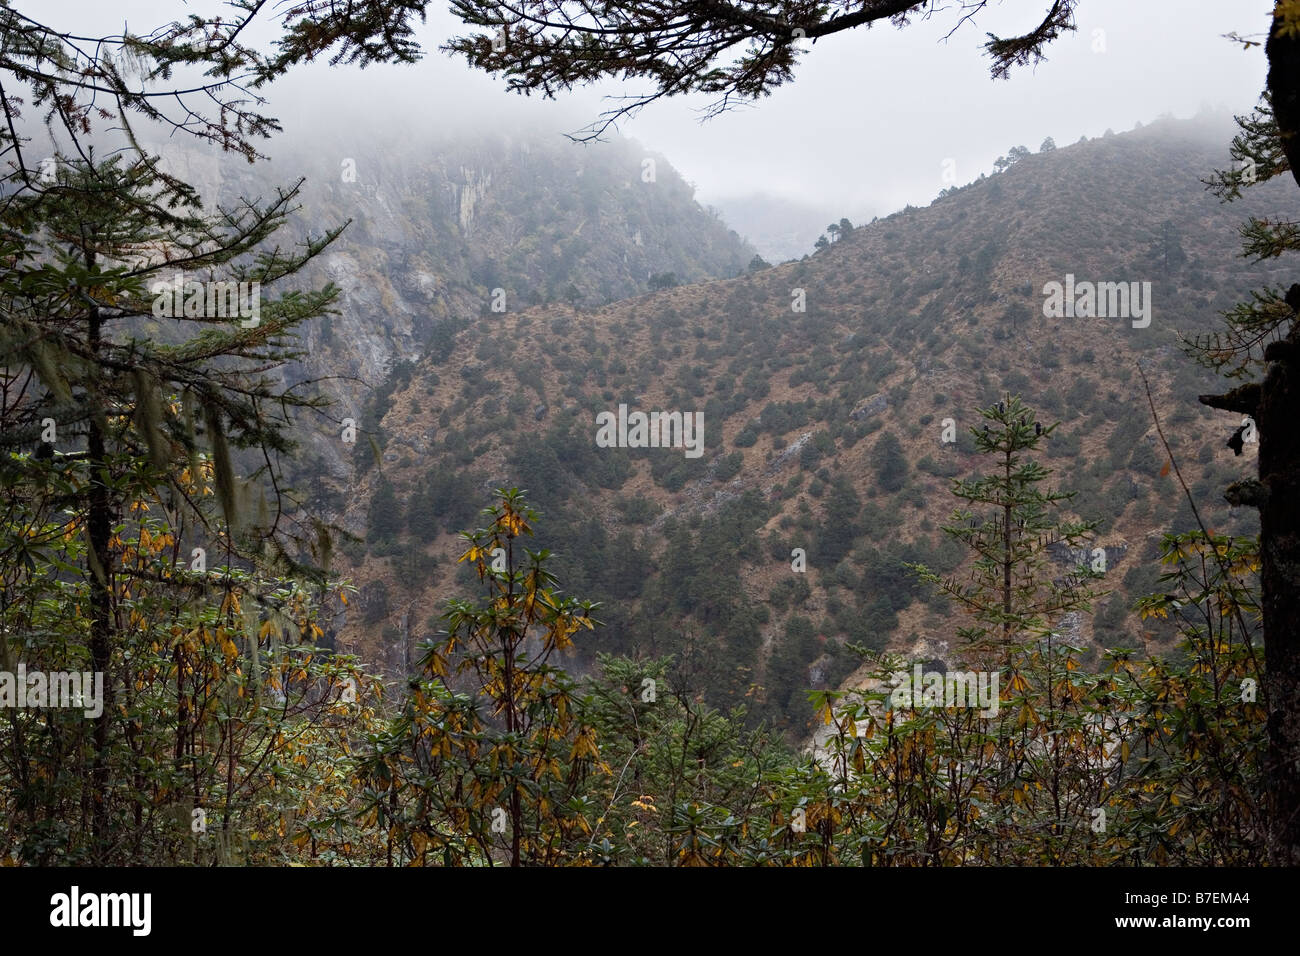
824	428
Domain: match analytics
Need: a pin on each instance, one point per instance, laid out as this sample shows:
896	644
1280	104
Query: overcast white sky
870	117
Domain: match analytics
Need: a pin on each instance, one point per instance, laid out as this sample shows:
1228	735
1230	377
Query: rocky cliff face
443	231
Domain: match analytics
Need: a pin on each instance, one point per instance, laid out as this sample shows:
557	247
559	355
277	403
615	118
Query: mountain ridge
823	426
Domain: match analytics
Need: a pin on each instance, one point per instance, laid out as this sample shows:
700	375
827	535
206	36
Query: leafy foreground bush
495	755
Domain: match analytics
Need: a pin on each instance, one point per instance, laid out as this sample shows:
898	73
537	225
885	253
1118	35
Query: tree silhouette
541	46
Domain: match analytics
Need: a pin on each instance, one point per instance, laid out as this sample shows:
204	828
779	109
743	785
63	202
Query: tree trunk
99	530
1279	544
1278	498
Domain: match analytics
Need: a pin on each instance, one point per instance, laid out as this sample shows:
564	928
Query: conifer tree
1011	523
127	400
1260	344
